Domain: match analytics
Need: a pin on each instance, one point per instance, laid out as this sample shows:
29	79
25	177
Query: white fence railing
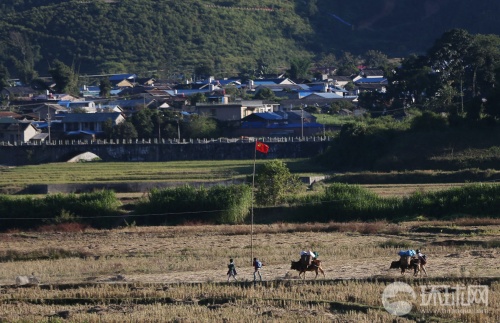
156	141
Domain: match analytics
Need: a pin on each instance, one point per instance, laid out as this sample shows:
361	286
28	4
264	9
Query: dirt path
467	264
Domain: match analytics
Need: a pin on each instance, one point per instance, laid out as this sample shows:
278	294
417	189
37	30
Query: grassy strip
123	172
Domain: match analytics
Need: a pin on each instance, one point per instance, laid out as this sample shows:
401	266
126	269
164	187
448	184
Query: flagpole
253	188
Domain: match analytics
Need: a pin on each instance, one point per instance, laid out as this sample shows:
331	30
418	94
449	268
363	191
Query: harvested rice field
178	274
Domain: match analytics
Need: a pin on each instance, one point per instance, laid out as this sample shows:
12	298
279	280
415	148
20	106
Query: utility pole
302	120
178	131
462	94
48	124
159	127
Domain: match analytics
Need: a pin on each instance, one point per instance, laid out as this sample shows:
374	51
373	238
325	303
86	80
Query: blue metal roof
326	95
372	80
229	81
256	83
191	92
268	115
78	132
120	77
303	94
317	87
90	117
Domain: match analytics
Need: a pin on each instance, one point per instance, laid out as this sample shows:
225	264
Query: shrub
344	202
96	209
219	204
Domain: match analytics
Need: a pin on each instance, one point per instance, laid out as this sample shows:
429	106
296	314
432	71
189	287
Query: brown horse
408	264
302	268
419	267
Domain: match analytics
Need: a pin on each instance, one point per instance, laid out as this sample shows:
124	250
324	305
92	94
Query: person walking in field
422	260
257	265
231	272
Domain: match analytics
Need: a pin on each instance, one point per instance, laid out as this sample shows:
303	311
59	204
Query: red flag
262	147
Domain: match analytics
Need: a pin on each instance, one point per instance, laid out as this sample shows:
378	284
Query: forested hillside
176	37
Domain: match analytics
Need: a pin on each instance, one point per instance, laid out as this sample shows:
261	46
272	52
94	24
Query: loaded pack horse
302	268
407	263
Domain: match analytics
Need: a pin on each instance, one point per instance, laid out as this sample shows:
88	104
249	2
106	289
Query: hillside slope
227	36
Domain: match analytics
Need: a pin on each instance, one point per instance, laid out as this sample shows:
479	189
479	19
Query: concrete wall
144	152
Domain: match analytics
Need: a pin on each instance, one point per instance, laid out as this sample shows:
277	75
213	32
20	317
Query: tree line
177	38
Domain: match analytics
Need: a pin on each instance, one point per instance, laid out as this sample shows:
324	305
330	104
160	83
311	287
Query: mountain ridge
228	36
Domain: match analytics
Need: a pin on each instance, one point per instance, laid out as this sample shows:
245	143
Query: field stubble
178	274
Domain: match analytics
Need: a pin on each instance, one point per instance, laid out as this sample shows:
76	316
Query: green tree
312	7
492	106
326	61
481	63
125	130
204	70
107	128
4	76
448	55
348	64
414	78
197	98
144	123
25	56
299	68
265	94
78	110
25	71
273	181
110	67
350	86
64	77
375	59
105	87
200	127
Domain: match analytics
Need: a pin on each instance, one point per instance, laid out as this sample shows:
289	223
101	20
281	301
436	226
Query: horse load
308	262
410	259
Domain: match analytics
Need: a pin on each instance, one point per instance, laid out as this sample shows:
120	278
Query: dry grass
177	274
392	190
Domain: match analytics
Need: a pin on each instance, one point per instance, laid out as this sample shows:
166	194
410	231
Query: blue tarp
406	253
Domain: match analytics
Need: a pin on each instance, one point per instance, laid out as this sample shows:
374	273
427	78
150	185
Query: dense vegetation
183	38
98	209
384	144
218	204
231	205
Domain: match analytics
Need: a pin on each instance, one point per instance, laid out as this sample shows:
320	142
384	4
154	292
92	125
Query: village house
18	92
235	111
15	131
89	125
87	106
48	111
123	80
279	124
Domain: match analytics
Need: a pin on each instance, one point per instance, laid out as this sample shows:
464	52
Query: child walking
231	270
257	265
